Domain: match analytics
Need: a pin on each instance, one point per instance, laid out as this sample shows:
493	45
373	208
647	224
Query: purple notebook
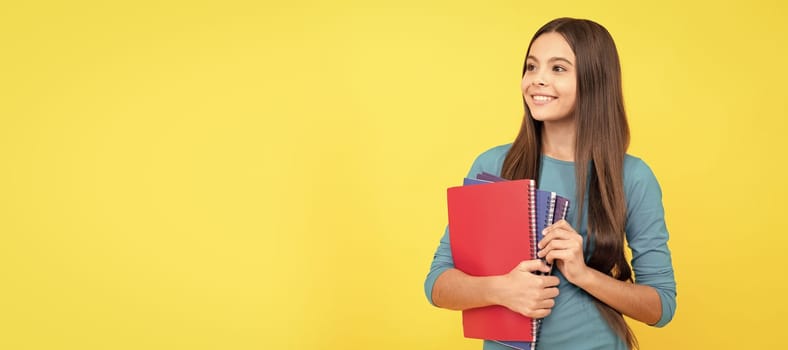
469	181
489	177
561	209
545	206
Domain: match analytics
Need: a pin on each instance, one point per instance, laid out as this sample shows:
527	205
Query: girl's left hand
563	246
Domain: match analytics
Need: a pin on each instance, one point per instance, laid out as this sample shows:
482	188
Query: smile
542	99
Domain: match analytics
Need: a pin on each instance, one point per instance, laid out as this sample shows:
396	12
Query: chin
550	117
541	118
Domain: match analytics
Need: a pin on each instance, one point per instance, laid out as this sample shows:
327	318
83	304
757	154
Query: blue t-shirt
575	322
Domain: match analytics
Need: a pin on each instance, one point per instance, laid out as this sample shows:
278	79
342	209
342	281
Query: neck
558	139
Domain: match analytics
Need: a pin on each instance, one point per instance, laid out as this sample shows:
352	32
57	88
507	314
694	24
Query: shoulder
491	160
637	171
640	182
494	154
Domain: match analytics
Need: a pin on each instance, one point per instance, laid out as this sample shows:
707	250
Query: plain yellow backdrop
254	175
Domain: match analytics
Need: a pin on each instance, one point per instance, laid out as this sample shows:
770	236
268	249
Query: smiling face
550	81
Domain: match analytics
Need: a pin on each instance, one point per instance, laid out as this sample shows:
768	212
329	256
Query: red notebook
492	228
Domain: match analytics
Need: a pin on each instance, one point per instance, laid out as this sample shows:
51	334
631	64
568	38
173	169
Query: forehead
550	45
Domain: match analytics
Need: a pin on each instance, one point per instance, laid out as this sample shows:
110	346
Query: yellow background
252	175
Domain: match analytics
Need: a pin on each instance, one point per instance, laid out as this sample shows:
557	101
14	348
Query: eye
529	67
559	69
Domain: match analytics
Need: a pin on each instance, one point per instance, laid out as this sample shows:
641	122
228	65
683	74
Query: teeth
542	98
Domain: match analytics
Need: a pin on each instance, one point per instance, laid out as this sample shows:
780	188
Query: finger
549	229
562	224
559	254
533	265
556	256
534	313
558	244
549	281
544	304
556	233
545	240
550	236
551	292
561	232
544	268
540	313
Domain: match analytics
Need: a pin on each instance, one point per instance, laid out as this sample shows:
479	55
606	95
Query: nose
539	77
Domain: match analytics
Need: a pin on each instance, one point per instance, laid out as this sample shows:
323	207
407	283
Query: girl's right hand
526	293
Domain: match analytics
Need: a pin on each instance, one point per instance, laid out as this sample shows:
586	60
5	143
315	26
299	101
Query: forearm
637	301
456	290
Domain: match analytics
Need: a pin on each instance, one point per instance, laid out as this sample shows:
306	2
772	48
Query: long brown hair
602	138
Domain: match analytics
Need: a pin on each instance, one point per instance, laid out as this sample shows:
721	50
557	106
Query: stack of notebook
494	224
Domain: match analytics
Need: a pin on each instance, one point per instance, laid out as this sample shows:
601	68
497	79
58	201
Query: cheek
568	90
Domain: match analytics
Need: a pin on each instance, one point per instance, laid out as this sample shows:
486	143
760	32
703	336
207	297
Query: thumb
532	265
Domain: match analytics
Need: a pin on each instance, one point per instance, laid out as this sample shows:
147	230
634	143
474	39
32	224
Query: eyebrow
552	59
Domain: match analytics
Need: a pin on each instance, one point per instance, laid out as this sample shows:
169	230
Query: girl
573	141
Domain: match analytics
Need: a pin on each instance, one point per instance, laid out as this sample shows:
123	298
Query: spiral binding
550	210
532	198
